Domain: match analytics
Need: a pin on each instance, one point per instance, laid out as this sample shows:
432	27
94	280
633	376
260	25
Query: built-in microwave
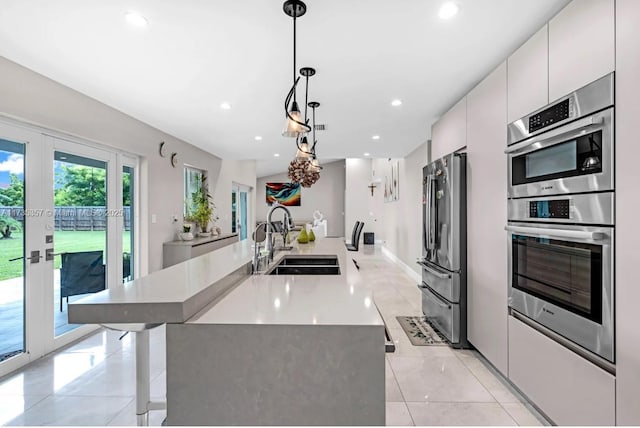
566	147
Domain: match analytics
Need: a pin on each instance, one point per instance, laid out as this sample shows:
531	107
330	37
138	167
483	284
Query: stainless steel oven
567	147
561	259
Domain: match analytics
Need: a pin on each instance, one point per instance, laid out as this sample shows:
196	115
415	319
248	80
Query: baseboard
406	268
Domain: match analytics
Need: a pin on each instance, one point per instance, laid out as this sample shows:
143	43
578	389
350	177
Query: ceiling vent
321	127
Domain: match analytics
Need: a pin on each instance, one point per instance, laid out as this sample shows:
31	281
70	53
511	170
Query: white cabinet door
627	207
528	78
581	45
566	387
486	239
450	132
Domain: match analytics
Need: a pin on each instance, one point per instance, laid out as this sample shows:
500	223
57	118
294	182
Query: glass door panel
128	222
12	250
243	216
80	232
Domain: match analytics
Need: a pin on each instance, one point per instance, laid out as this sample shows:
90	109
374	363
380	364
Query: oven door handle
578	124
555	233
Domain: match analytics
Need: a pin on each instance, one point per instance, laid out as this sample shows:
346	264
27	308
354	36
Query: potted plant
200	209
186	234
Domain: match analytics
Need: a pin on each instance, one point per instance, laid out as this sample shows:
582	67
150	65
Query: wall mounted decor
284	193
391	181
174	159
162	149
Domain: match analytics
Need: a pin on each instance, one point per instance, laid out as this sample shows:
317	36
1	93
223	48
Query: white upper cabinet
581	45
528	78
450	132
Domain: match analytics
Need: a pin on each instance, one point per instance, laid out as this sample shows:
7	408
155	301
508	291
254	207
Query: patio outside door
62	218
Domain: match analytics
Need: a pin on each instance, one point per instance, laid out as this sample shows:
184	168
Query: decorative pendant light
315	164
294	126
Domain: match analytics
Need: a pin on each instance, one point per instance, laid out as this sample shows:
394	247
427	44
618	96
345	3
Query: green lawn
65	242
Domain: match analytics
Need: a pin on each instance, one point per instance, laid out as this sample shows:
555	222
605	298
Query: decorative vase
303	238
218	230
312	236
186	236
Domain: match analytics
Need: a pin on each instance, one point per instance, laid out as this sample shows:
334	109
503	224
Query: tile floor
92	382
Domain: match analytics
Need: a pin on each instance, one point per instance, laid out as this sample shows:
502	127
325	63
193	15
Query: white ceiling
195	54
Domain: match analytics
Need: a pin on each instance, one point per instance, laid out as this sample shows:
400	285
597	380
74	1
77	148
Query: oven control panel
548	117
557	208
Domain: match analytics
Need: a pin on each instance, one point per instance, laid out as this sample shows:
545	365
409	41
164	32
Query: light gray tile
523	414
114	377
127	417
104	342
490	380
437	379
12	406
70	410
477	414
392	392
397	414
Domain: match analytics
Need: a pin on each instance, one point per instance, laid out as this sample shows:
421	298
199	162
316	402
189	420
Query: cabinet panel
487	206
528	76
581	45
566	387
627	207
450	132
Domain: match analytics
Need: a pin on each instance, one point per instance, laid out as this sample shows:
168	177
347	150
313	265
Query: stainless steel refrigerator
444	246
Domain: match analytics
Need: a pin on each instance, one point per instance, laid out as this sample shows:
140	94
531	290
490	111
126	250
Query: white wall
327	196
402	219
33	98
359	204
627	208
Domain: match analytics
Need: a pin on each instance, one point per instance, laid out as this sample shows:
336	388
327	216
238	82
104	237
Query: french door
240	210
67	221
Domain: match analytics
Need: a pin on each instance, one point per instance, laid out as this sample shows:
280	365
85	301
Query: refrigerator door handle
429	208
433	271
436	299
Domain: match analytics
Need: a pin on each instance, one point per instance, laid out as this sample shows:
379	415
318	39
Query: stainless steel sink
306	265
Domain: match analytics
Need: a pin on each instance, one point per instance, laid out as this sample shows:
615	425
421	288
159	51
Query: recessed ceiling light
257	138
375	137
396	103
225	106
448	10
367	154
277	155
135	19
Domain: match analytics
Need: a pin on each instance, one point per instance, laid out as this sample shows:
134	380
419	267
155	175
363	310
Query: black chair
81	273
353	232
355	240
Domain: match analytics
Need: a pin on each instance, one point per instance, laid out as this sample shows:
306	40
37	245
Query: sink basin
309	261
306	265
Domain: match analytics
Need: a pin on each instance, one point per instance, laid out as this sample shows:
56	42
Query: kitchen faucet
288	223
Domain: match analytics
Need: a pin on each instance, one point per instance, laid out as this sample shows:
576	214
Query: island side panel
226	374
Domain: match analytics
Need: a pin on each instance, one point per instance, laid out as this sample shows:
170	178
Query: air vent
321	127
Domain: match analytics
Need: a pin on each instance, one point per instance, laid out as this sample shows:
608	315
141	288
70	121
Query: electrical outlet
154	219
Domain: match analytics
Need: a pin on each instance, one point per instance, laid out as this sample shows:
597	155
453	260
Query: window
192	183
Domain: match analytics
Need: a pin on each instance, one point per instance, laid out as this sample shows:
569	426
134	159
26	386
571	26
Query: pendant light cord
295	6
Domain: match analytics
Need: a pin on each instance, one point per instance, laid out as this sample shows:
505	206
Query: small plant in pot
186	234
200	208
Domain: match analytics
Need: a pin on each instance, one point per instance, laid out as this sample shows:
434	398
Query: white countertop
299	299
173	294
186	291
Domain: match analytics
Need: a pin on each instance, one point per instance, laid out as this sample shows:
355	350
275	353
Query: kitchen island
261	349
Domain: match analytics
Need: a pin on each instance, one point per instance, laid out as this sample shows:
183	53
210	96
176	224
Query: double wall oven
561	219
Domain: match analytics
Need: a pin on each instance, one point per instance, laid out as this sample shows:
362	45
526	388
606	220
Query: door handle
33	258
555	233
433	271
